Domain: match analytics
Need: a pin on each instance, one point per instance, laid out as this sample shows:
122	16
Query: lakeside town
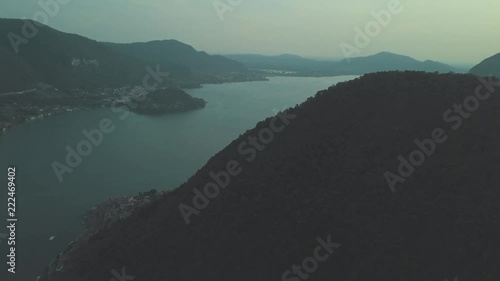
17	108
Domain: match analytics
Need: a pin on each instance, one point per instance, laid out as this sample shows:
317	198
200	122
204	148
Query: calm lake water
143	152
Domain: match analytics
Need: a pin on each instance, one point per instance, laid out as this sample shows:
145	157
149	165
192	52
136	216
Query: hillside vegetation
63	60
489	66
321	176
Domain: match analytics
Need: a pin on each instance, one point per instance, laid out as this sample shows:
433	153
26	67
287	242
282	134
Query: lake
142	153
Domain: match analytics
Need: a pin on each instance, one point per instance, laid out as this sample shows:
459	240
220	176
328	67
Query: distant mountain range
69	61
386	61
282	62
383	61
489	66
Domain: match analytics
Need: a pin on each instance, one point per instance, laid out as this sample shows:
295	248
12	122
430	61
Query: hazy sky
453	31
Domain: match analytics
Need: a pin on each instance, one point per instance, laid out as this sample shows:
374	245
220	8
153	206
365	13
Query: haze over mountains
383	61
71	61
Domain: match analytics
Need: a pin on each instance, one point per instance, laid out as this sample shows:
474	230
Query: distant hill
174	54
62	60
309	197
383	61
286	63
489	66
386	61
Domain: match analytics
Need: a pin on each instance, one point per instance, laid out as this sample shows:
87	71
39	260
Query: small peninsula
166	100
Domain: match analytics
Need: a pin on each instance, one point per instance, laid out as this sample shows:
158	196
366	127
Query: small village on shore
100	217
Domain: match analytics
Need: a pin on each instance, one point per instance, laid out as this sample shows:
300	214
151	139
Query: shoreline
97	218
266	78
7	126
5	130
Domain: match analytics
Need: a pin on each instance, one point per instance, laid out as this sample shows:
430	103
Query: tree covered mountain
177	54
60	59
489	66
70	61
304	195
383	61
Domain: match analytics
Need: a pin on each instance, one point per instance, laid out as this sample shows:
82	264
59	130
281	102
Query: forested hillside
318	172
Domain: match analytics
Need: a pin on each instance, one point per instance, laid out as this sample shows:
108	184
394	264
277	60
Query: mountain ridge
51	55
382	61
173	51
